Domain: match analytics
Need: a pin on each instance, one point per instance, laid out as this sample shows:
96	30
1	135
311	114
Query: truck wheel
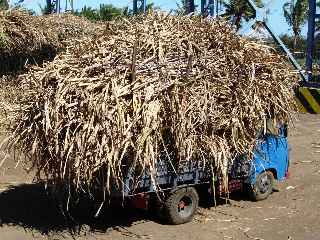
263	186
155	207
181	205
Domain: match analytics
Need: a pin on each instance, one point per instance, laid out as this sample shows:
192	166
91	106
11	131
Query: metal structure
308	94
58	7
139	5
210	7
271	153
308	97
177	188
190	6
311	38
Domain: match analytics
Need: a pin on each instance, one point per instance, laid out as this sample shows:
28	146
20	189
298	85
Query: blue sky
275	6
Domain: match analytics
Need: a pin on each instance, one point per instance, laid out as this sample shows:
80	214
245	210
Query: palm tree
89	13
238	10
185	7
4	4
108	12
296	14
151	7
48	8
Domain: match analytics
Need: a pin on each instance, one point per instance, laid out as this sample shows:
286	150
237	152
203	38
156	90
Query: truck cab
270	163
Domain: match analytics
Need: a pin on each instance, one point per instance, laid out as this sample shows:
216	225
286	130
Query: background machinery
308	94
139	5
57	5
311	77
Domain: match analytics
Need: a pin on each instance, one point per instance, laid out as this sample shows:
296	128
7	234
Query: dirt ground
292	213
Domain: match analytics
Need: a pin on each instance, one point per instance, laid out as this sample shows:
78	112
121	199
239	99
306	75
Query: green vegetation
183	6
296	44
48	8
239	10
89	13
106	12
296	14
4	4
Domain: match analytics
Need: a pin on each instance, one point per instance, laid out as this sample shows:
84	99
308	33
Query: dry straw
155	86
32	39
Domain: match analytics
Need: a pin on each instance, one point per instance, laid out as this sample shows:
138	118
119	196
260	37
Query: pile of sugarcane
156	86
32	39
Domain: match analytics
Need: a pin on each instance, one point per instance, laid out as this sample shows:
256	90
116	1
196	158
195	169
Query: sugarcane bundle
24	37
67	27
183	88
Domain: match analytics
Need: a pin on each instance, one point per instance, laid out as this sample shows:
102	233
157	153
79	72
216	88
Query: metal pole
144	6
190	7
203	5
310	38
217	8
211	7
58	6
49	7
135	6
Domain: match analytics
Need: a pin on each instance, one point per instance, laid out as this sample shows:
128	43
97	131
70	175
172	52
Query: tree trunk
48	8
189	6
295	40
295	43
237	21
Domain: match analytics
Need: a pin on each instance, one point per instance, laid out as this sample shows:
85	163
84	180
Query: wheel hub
264	184
185	206
181	205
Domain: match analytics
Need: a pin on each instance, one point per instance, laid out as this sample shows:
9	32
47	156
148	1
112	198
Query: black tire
181	205
155	207
263	186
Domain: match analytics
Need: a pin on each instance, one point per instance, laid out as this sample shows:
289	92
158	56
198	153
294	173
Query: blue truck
175	194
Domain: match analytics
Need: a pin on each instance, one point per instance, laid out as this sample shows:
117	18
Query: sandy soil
292	213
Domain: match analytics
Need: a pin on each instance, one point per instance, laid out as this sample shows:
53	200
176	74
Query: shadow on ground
206	200
30	207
